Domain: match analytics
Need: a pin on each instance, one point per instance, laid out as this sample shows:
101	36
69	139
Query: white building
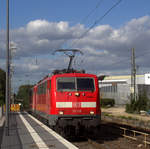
119	87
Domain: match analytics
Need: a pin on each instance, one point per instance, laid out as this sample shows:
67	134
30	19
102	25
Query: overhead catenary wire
87	16
96	22
127	59
92	11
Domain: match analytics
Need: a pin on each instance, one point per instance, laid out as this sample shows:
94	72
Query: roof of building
125	77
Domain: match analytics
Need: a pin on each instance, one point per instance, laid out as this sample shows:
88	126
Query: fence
146	136
13	108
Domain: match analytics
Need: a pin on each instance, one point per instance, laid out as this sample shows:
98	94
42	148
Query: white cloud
106	49
37	26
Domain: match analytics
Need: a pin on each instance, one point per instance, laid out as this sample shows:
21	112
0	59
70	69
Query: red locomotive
68	100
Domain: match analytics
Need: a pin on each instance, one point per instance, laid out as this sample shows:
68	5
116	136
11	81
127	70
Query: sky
104	30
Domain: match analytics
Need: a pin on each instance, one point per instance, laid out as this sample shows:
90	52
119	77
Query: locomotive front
76	103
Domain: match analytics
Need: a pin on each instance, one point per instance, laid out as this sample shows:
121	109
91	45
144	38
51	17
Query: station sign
147	79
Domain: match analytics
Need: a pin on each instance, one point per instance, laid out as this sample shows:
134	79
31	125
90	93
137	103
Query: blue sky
38	27
73	11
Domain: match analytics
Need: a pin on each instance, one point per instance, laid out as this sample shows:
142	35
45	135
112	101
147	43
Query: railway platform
26	132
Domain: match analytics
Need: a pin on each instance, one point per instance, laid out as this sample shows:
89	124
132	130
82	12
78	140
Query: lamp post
7	98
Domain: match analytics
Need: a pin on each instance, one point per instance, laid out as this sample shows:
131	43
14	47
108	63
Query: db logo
76	104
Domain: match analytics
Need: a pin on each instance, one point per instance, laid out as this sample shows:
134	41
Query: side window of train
38	90
45	86
49	84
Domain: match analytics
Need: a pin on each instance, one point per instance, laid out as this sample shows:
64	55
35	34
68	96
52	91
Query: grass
121	116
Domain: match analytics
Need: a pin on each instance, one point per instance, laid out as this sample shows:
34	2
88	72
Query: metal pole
133	76
70	62
7	98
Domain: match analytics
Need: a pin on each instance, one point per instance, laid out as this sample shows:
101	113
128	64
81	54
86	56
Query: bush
135	106
130	108
107	102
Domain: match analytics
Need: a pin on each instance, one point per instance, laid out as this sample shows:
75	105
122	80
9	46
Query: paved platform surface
26	132
12	141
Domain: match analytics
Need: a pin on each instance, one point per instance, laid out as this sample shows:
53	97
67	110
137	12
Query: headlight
77	94
61	112
91	112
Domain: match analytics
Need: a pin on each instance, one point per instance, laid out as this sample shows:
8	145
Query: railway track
114	136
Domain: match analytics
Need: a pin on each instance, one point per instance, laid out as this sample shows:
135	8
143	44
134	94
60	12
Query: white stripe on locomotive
63	104
88	104
69	104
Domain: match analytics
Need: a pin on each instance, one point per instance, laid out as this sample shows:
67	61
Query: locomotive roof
48	77
75	75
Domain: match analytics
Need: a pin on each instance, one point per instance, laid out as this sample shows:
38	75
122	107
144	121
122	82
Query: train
69	101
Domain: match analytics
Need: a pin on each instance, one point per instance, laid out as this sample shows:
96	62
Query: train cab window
85	84
75	84
66	83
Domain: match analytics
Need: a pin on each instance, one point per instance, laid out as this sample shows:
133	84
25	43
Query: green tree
23	94
2	86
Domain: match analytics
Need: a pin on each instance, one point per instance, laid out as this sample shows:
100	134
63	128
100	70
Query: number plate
76	104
